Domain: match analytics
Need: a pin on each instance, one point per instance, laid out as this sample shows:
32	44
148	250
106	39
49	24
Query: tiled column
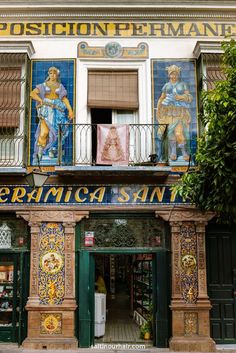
51	305
34	258
190	304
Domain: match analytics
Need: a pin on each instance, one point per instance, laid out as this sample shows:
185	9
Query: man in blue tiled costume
173	108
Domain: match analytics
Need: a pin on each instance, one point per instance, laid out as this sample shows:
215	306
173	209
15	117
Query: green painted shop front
14	278
14	293
85	273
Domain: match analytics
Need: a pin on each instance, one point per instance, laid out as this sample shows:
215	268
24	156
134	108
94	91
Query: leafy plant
211	186
145	328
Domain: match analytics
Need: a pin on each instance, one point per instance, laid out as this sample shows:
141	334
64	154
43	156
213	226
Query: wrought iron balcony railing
147	144
11	147
14	103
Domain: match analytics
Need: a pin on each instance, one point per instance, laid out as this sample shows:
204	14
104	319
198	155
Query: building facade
104	99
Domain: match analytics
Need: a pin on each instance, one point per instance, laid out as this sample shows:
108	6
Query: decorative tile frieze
51	286
112	50
188	277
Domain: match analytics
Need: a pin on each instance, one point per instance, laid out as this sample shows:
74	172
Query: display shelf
8	299
142	294
14	277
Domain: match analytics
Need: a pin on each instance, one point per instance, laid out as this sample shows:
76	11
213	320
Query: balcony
147	145
148	150
11	150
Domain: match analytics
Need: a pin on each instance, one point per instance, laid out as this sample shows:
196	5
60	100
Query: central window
113	99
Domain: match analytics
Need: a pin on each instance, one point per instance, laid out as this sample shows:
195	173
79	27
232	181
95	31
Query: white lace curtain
5	236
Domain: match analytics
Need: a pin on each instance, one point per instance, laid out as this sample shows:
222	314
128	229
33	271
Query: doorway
221	278
129	297
112	116
98	116
14	291
137	297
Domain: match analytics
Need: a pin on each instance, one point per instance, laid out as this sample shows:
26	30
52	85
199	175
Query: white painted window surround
142	116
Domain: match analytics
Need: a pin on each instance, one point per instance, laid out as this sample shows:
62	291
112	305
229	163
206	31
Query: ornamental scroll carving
188	254
51	286
190	324
52	216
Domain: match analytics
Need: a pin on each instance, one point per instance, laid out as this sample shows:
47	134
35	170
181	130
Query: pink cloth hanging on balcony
113	144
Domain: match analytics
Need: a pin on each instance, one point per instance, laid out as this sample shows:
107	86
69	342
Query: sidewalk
112	348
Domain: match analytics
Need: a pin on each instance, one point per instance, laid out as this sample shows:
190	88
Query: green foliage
212	186
145	328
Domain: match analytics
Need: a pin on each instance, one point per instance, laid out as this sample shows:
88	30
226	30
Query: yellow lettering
18	194
35	195
143	196
173	195
3	192
55	192
159	192
123	193
77	197
68	195
100	191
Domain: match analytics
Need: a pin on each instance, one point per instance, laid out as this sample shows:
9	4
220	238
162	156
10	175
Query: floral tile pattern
52	264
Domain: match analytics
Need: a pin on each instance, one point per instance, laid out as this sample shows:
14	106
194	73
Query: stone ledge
50	343
192	344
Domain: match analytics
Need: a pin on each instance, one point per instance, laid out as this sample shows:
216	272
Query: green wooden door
221	275
161	299
23	290
86	299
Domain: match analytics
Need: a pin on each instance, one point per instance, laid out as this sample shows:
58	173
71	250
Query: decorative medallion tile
51	324
113	50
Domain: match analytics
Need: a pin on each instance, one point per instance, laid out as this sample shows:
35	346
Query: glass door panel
6	291
9	297
127	117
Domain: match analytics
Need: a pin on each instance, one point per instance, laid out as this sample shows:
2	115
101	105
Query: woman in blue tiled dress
51	108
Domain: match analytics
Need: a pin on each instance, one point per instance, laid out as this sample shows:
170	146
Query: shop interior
9	298
126	281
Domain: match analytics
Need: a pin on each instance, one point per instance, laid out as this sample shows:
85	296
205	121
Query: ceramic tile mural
52	264
52	103
51	324
174	103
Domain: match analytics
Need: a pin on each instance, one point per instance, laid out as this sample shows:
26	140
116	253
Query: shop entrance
135	284
127	282
14	288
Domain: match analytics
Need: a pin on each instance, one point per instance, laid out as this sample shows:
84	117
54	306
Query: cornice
207	47
116	3
183	213
17	47
117	14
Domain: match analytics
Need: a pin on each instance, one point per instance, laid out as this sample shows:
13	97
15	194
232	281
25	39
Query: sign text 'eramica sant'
88	195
